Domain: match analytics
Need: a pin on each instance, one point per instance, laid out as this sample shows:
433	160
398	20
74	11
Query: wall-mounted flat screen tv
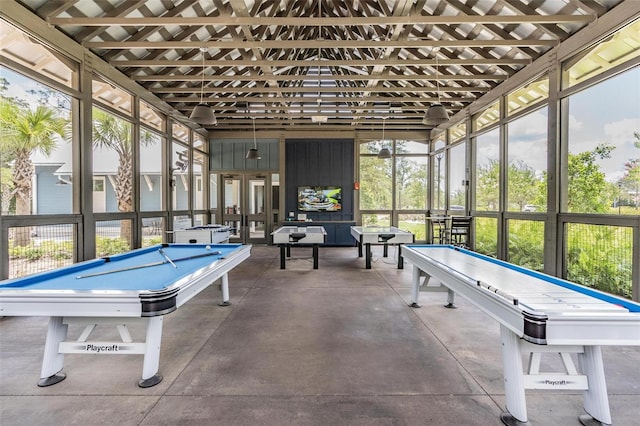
319	198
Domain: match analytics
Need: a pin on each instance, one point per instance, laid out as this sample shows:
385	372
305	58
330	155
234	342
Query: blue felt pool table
141	285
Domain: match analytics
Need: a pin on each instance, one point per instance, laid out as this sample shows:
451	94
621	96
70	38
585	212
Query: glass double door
246	206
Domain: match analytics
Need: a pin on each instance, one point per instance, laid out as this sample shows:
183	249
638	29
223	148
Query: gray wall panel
320	162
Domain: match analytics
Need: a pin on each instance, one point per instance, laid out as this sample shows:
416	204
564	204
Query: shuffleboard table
538	314
141	285
385	235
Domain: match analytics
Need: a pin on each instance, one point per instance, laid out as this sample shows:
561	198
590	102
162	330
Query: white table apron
496	303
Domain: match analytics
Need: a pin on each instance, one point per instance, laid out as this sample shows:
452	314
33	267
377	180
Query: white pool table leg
513	378
595	398
451	298
53	360
224	287
151	364
415	287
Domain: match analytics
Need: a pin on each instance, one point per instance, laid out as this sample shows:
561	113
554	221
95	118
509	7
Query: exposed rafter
351	61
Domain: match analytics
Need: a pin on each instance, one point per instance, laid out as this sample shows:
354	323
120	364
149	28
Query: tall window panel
457	178
151	189
527	163
36	150
36	146
199	196
603	172
112	163
180	176
411	183
487	182
375	179
438	193
213	195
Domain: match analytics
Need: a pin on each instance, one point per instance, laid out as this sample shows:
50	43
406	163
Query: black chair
439	230
460	231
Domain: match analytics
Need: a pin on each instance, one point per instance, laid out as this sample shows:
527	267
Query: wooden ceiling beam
313	44
314	21
331	77
142	63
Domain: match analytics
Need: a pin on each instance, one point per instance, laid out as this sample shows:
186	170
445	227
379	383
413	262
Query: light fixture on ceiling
436	114
384	152
203	113
253	153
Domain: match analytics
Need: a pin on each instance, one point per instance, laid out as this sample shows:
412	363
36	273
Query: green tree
375	180
26	131
630	182
589	191
110	132
6	188
488	186
411	181
523	185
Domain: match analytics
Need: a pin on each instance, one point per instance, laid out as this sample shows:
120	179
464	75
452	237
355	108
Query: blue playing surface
154	277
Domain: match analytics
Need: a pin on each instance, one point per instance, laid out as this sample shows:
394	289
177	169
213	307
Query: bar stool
460	231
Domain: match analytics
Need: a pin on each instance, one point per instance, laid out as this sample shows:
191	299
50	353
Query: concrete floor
333	346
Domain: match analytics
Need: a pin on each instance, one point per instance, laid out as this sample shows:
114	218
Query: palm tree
25	131
110	132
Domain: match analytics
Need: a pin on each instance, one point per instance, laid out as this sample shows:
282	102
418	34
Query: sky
607	113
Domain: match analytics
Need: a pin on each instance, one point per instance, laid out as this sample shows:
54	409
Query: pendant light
436	114
253	153
384	152
203	113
